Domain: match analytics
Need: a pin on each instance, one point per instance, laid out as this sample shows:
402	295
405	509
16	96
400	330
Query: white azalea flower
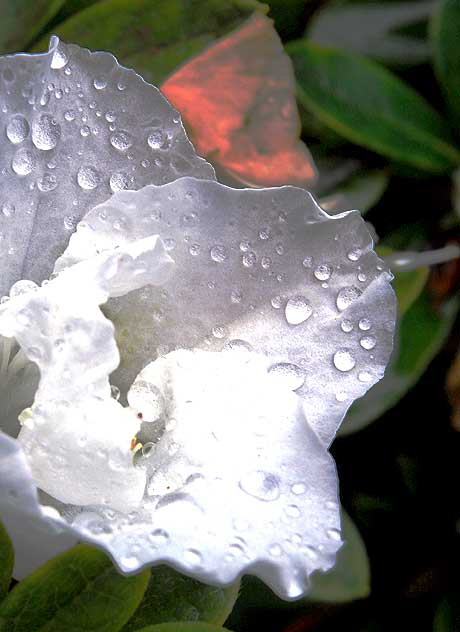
234	376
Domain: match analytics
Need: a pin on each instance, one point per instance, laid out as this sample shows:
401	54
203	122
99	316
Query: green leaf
445	33
171	596
421	333
349	579
153	37
22	20
6	561
368	105
374	30
408	284
361	192
184	627
77	590
447	616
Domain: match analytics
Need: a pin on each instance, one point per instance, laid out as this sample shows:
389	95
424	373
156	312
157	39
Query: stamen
408	260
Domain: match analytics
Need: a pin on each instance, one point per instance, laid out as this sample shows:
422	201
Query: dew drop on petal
121	140
23	162
275	550
45	132
218	253
368	342
347	296
289	375
365	324
365	377
323	272
261	485
88	177
17	129
346	325
297	310
298	488
343	360
333	534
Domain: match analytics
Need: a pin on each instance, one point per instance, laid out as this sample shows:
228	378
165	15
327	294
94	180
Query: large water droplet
261	485
323	272
343	360
249	259
59	59
368	342
218	253
289	375
347	296
157	139
48	182
298	310
17	129
45	132
121	140
23	162
88	177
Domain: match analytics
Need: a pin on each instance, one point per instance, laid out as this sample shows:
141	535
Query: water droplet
261	485
289	375
249	259
297	310
346	326
245	246
347	296
129	563
8	209
298	489
159	536
362	277
343	360
100	83
341	396
368	342
333	534
23	162
323	272
17	129
275	550
292	511
121	140
219	331
354	255
147	448
59	59
85	131
265	262
276	302
48	182
237	345
192	557
69	116
218	253
307	262
19	288
365	324
88	177
279	249
120	181
45	132
70	221
265	233
157	139
195	249
365	377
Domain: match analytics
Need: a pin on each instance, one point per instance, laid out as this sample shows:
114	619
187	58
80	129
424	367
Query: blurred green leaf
171	597
373	30
289	16
6	561
184	627
154	38
420	335
445	32
447	616
77	590
371	107
22	20
408	284
361	192
350	577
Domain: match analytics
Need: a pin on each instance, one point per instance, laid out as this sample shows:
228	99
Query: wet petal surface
76	126
269	270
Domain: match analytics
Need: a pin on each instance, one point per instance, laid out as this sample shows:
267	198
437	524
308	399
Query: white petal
76	127
265	267
76	437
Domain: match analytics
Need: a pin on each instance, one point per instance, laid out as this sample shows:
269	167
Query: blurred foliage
379	96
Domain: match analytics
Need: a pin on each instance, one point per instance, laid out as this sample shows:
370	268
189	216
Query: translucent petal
76	127
268	268
244	117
